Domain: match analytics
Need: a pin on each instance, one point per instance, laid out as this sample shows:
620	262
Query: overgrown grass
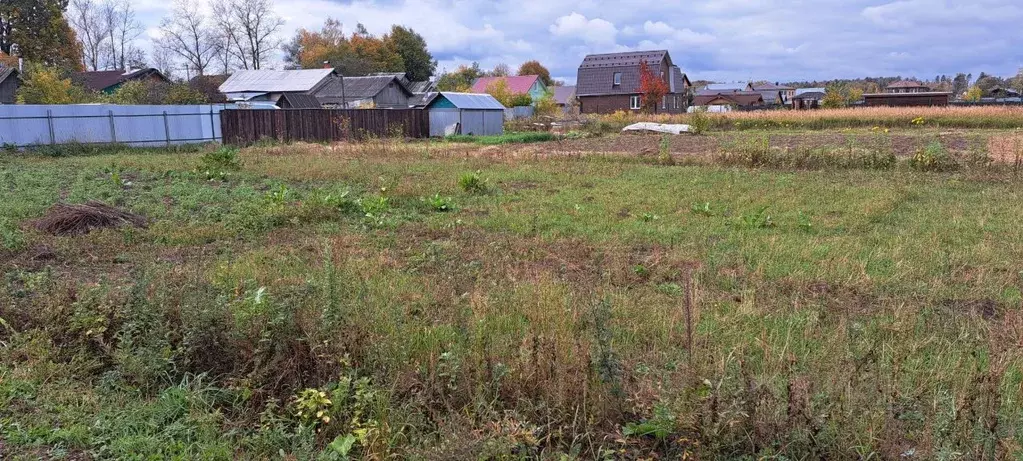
989	117
325	303
507	138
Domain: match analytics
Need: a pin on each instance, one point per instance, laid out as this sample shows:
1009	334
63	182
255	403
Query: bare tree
88	20
163	61
249	30
187	35
123	28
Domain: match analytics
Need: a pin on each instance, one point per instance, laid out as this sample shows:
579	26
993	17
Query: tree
37	31
359	54
44	85
1017	82
500	70
651	87
973	94
187	34
247	31
547	106
461	79
535	68
499	90
960	84
411	47
835	96
87	18
123	28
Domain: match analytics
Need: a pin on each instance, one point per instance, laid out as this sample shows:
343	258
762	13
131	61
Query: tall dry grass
990	117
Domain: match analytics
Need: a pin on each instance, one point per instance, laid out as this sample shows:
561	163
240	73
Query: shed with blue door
465	113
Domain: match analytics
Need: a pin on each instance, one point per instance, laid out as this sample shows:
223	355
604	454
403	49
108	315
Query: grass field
452	301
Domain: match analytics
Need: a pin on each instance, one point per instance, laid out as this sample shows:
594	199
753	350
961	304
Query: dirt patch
987	309
64	219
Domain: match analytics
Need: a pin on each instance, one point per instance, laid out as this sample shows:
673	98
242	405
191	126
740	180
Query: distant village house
109	81
10	80
521	84
607	83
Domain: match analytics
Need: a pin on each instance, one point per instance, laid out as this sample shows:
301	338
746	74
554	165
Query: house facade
767	88
607	83
808	98
519	84
738	99
375	91
9	82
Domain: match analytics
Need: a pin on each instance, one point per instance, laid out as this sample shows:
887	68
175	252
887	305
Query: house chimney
326	64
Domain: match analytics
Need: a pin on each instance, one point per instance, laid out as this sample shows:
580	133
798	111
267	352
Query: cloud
594	31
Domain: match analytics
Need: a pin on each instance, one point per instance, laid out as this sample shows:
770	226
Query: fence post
113	130
49	124
166	128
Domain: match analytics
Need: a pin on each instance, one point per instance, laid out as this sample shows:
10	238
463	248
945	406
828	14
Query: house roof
350	89
519	84
759	86
103	79
771	96
630	58
476	101
678	80
424	86
563	94
907	84
811	94
744	98
276	81
6	72
726	87
800	91
298	101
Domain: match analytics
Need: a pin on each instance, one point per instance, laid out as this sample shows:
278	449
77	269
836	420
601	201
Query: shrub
472	183
219	163
520	100
933	157
438	203
699	123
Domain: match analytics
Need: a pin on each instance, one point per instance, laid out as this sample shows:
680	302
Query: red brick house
607	83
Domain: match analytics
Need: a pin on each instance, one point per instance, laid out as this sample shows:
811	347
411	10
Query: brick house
607	83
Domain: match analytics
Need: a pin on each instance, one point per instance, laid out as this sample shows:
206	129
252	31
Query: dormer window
617	78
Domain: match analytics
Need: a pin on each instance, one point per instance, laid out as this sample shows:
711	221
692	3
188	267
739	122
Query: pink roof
516	85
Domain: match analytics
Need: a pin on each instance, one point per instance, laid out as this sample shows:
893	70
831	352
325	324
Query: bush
472	183
933	157
699	123
219	163
520	100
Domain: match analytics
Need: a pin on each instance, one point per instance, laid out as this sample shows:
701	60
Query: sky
718	40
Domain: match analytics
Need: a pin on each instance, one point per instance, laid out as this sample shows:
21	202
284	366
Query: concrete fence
37	125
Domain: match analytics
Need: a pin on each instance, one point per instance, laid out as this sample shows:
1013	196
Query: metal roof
357	88
629	58
475	101
726	87
800	91
275	81
564	94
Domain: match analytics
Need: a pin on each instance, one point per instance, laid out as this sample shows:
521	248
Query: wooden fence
243	127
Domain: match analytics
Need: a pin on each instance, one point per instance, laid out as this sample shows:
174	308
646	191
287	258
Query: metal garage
465	113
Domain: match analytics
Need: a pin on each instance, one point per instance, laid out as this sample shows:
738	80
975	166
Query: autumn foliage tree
652	87
535	68
361	53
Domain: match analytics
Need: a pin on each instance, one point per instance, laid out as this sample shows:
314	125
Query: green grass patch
507	138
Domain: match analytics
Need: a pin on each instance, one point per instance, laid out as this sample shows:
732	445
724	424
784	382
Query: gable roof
298	101
739	98
103	79
276	81
475	101
678	81
564	94
771	96
7	72
597	72
629	58
907	84
519	84
816	93
350	89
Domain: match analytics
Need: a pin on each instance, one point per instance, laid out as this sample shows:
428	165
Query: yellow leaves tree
499	90
43	85
973	94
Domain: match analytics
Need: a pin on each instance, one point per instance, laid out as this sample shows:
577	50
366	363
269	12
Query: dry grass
992	117
64	219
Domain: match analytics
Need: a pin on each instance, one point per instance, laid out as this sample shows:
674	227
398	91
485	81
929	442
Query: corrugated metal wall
475	122
29	125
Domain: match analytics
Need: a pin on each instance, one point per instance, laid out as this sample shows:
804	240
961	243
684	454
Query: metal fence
242	127
36	125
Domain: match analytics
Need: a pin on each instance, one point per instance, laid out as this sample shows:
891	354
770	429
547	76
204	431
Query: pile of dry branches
64	219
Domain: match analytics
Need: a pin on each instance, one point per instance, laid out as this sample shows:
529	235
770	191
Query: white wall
30	125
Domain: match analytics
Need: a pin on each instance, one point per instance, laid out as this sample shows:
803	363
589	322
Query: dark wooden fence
247	126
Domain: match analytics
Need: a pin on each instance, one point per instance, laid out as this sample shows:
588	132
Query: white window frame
664	102
634	102
616	79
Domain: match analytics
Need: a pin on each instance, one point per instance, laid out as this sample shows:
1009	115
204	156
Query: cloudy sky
722	40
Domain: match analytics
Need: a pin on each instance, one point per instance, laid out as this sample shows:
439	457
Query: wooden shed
465	113
930	98
9	82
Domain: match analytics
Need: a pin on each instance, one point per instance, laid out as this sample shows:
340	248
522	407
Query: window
664	102
634	102
618	78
